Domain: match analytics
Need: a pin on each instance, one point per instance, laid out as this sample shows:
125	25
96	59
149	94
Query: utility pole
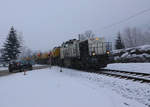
50	59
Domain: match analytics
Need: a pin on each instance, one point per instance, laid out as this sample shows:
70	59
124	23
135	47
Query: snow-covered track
129	72
135	76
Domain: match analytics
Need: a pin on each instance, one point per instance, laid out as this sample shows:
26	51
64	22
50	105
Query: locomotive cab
94	52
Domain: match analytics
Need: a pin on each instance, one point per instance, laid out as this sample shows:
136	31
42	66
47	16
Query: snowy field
70	88
133	67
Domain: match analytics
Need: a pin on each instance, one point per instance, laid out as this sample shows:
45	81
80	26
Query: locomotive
86	53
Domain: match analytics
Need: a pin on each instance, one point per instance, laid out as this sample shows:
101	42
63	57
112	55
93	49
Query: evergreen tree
119	43
11	48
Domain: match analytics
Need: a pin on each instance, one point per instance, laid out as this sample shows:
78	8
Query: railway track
135	76
6	72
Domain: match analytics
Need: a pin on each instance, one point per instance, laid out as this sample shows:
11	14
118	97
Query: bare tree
128	37
135	37
89	34
86	35
146	36
26	52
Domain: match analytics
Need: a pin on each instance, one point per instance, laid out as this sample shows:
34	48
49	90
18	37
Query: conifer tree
11	48
119	43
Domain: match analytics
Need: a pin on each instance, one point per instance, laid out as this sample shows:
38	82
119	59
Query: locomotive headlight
108	52
93	53
97	38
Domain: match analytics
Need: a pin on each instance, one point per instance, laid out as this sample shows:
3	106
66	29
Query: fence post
24	72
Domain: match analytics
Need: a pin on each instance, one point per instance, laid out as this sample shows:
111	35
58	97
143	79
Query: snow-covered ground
133	67
70	88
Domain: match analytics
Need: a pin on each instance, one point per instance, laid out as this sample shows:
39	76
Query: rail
135	76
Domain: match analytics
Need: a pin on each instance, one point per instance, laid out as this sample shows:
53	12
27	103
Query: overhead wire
128	18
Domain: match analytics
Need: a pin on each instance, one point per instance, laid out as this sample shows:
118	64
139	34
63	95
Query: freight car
56	56
82	54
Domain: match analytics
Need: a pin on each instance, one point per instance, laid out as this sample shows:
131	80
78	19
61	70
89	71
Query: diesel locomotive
82	54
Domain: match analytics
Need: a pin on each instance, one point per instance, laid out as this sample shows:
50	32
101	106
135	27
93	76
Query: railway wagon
85	54
55	56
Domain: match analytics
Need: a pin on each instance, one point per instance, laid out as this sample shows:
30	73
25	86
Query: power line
124	20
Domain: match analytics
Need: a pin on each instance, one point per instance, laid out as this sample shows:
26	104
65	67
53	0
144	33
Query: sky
45	24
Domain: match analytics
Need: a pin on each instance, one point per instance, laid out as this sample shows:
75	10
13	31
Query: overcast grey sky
47	23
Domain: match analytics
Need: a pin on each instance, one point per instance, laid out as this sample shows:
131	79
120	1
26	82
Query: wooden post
50	61
25	72
60	69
